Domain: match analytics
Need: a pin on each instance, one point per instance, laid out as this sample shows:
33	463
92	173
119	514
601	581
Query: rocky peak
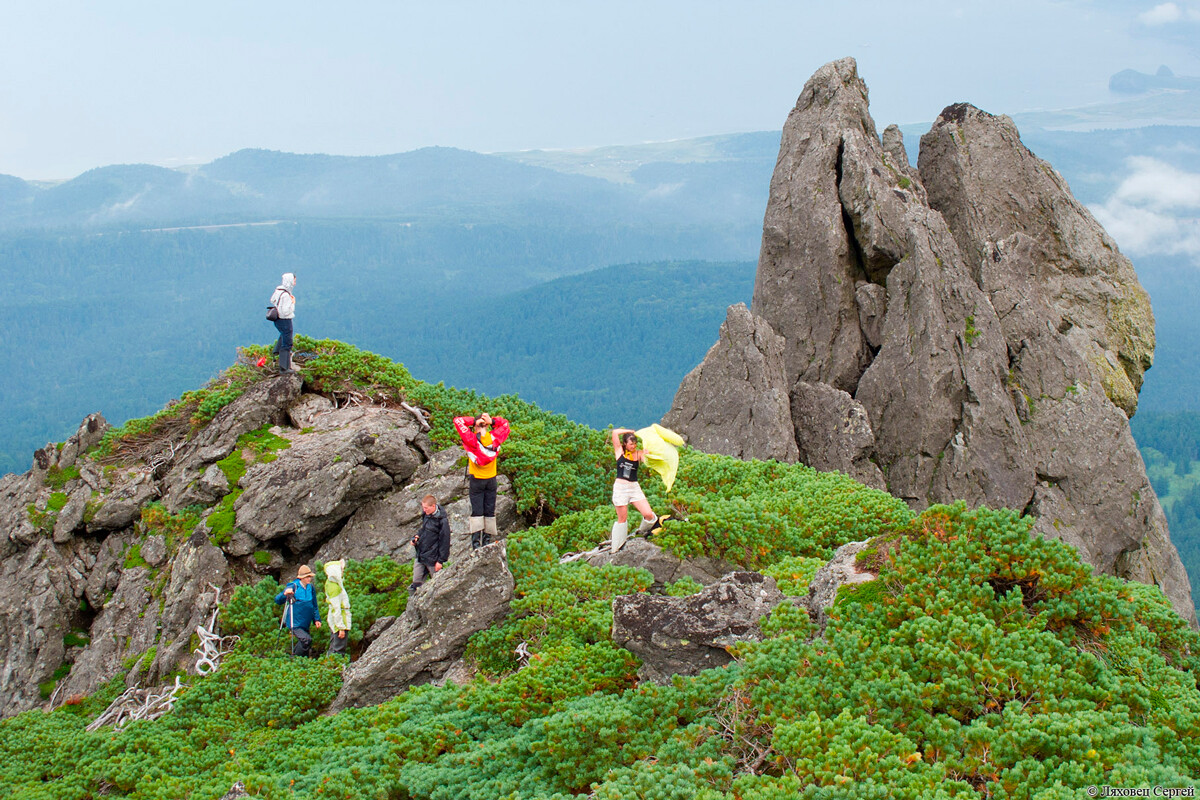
965	331
111	562
999	198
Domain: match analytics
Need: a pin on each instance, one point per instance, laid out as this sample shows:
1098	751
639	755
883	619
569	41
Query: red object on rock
262	361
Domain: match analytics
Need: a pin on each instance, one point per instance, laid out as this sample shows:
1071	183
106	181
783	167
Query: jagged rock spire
985	324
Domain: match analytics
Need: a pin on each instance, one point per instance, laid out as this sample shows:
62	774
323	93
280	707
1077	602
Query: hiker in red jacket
481	437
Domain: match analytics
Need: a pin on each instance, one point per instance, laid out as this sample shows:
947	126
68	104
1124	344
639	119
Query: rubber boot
285	361
475	526
646	526
620	532
489	530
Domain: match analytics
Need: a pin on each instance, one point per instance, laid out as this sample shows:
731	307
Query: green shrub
793	574
58	477
687	585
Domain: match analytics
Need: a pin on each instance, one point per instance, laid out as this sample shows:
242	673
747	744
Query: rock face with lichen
95	588
962	331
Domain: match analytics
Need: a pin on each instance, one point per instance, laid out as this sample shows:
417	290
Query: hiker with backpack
481	438
432	542
282	311
300	600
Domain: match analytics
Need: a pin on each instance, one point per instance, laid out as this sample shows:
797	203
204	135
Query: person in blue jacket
300	597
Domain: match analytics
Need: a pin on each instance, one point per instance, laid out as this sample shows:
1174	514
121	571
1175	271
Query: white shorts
626	492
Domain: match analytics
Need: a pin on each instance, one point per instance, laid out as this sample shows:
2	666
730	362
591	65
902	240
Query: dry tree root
213	646
136	703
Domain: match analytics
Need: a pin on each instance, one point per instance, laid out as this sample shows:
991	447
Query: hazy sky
89	83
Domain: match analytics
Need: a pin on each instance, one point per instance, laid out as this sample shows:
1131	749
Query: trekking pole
291	634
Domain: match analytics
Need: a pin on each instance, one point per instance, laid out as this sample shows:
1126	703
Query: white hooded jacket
283	299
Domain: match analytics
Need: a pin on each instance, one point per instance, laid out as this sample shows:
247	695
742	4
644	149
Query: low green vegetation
981	662
58	477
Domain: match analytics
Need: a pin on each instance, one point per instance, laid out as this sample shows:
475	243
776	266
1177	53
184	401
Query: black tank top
626	469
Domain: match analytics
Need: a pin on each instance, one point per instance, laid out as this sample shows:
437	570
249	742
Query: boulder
118	508
154	550
17	492
431	635
686	635
833	432
736	401
665	567
352	457
89	434
842	569
70	518
304	410
105	573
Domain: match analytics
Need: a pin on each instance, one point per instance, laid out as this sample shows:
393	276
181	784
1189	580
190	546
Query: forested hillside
1170	445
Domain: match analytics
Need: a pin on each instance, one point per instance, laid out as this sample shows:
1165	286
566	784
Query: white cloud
1162	14
1155	210
1168	13
1160	186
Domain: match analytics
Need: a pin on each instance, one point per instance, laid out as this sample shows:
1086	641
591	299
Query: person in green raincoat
339	607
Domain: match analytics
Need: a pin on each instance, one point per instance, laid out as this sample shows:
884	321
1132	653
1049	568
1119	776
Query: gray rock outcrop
432	633
833	432
665	567
964	331
686	635
264	403
98	588
385	525
351	457
736	401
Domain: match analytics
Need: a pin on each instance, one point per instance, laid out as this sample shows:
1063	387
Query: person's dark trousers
482	492
283	345
302	645
420	573
337	644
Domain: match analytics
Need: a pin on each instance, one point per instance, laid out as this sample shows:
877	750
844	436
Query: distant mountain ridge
435	183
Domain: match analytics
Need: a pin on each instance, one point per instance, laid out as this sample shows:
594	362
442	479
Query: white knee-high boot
647	525
475	526
620	532
489	530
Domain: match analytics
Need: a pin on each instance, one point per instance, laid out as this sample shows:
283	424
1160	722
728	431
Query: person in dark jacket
300	597
432	542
